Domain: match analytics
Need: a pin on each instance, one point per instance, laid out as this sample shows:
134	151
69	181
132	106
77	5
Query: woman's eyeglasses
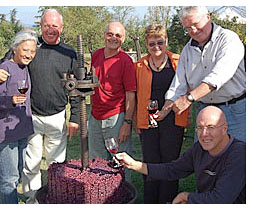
153	44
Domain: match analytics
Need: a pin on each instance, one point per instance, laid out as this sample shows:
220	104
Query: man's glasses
208	127
110	35
51	26
153	44
195	26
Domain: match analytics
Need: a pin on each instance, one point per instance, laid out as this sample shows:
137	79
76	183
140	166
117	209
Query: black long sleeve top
219	179
48	97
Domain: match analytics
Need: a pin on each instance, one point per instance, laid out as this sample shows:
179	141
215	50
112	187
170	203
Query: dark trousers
161	145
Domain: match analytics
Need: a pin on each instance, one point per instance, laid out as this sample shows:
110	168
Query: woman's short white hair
186	11
23	36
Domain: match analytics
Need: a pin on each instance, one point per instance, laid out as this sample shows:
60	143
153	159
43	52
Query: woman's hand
3	75
18	98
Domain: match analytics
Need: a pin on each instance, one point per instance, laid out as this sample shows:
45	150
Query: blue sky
26	14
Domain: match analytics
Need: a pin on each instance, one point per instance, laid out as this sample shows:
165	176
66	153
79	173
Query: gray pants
98	130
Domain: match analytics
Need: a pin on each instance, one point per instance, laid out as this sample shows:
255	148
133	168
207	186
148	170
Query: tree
232	24
178	37
122	14
16	25
159	14
154	14
89	21
8	29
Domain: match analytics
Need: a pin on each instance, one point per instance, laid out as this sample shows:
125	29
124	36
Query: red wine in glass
112	145
22	86
113	151
23	90
152	109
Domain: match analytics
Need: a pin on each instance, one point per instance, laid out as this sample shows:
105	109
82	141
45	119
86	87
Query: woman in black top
161	143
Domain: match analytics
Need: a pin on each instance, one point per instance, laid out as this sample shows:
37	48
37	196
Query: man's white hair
186	11
54	11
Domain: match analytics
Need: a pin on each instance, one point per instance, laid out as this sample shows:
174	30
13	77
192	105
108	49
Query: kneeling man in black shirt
218	161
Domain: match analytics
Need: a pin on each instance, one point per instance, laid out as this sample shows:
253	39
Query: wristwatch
128	121
190	97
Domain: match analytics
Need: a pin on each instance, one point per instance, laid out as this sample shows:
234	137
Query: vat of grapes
41	194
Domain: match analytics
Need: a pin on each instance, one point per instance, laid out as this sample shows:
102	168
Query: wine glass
112	145
23	87
152	109
152	106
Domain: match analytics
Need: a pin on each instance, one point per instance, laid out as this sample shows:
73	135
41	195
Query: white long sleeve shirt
220	64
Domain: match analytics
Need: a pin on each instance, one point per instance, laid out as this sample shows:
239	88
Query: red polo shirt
116	75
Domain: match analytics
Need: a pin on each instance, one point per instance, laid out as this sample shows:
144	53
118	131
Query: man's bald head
212	129
212	112
115	24
114	37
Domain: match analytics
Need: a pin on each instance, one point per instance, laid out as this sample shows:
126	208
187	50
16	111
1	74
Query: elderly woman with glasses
15	114
161	132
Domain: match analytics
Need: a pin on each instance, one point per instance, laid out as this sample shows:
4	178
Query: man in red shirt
114	100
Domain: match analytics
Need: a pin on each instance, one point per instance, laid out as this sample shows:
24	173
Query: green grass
73	152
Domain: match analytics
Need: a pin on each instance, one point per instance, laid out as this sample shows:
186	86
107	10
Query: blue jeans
11	165
236	118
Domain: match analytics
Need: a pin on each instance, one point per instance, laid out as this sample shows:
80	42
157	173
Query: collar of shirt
231	139
41	40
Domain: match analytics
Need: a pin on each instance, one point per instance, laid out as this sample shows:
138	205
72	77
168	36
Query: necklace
159	68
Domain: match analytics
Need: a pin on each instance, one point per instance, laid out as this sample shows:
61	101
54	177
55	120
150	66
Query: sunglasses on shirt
153	44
